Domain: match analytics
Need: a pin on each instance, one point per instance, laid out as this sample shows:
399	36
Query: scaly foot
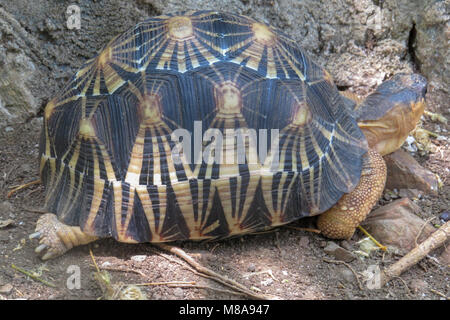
55	237
340	221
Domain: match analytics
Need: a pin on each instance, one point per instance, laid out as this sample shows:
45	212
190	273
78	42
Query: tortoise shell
111	160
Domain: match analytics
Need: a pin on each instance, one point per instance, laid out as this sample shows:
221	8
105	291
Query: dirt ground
285	262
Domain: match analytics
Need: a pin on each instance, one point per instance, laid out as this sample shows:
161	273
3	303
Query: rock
304	242
444	216
5	223
251	267
404	172
346	245
138	258
6	207
432	49
346	274
338	252
6	288
178	292
397	225
19	74
409	193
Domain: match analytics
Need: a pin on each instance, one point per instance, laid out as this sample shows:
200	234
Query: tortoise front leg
340	221
55	237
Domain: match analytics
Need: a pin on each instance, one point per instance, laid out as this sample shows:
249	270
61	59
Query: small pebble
267	282
417	285
347	275
178	292
304	242
6	289
138	258
6	207
338	252
444	216
251	267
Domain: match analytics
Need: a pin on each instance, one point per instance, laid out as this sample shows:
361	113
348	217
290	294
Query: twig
203	271
435	240
303	229
33	210
167	283
123	270
421	230
348	266
32	276
382	247
22	186
440	294
196	286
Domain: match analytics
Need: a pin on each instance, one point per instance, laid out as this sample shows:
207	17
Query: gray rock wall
361	42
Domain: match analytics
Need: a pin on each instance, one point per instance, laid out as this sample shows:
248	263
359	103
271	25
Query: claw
48	255
35	235
40	248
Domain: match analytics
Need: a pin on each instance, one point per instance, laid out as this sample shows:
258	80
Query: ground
285	262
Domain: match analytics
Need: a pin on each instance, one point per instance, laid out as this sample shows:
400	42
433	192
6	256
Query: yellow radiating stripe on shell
281	63
149	211
107	163
151	52
181	57
97	83
135	164
289	59
169	159
312	187
156	161
118	205
97	196
205	52
316	146
271	66
166	55
303	156
112	79
184	200
191	53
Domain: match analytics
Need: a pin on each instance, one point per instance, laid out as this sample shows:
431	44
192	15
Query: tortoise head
388	115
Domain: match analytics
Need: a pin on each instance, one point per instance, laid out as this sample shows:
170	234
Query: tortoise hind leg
340	221
55	237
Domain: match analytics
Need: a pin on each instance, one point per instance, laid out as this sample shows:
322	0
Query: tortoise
153	139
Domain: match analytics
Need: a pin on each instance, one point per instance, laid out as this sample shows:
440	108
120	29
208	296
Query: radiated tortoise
206	125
